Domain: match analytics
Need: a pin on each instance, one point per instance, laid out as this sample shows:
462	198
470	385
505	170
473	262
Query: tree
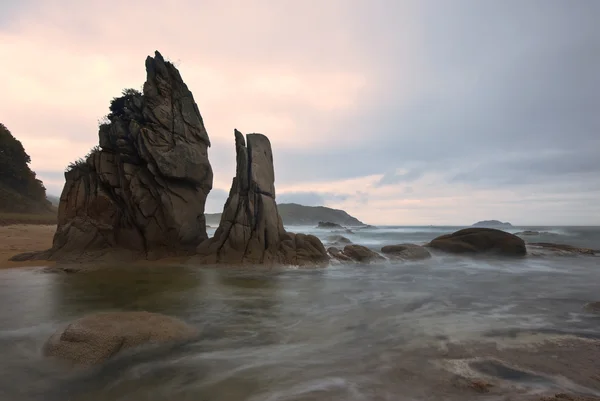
14	167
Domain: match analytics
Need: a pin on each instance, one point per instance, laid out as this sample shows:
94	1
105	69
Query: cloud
398	111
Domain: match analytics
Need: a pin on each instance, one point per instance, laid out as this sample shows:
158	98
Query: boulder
480	240
338	240
251	230
406	252
143	190
337	254
95	338
361	253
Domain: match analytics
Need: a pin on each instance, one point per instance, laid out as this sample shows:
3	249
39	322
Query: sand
15	239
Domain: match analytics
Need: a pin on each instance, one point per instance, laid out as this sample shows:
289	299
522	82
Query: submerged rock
251	230
562	249
338	240
95	338
143	191
406	251
593	307
361	253
480	240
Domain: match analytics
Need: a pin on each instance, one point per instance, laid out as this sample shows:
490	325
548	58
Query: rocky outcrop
355	253
95	338
143	191
480	240
251	230
406	252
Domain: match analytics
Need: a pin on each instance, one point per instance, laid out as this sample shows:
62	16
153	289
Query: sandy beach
15	239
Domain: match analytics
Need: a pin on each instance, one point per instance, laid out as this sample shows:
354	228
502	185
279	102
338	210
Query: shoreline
20	238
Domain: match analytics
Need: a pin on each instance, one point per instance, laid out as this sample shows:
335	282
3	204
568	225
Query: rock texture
406	252
355	253
95	338
144	189
251	230
480	240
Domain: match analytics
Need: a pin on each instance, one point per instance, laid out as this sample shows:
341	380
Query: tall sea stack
144	189
251	230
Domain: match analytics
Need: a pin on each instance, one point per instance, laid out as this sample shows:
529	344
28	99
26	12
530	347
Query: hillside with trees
20	190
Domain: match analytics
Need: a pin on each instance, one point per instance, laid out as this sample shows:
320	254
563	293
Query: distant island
492	224
294	214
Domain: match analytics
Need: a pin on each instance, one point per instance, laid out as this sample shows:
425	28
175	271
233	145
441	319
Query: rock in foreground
144	189
95	338
406	252
251	230
480	240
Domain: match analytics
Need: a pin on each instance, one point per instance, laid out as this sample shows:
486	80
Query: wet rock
251	230
568	397
593	307
361	253
338	240
337	254
328	224
480	240
95	338
145	187
562	249
406	252
528	232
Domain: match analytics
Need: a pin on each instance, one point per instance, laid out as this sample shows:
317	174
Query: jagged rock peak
143	190
251	230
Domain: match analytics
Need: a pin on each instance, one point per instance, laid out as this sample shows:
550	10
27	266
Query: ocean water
388	331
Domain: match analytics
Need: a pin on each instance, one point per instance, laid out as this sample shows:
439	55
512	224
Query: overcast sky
399	112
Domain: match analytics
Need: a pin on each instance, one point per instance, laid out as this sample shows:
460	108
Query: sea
451	327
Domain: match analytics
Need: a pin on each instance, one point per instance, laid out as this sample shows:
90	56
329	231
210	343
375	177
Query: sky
399	112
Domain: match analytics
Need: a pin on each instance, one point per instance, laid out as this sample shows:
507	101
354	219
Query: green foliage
118	104
81	163
17	181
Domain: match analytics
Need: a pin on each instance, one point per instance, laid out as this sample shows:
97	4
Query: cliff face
251	230
144	189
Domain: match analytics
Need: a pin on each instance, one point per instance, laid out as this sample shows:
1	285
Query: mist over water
356	332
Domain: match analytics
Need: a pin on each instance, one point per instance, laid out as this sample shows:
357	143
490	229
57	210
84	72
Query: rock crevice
251	230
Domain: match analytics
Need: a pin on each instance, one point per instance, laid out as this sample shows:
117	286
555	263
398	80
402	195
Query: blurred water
360	332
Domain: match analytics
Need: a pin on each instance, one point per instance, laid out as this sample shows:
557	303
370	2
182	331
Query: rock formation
406	252
95	338
355	253
144	189
480	240
251	230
